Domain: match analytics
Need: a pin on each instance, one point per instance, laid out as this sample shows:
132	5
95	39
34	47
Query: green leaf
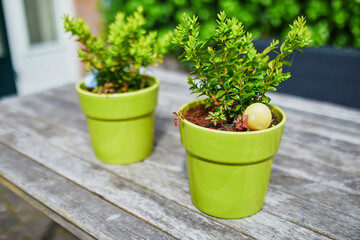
282	47
271	64
220	93
272	89
287	63
278	65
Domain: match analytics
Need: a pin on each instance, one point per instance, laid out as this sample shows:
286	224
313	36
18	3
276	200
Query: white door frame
45	65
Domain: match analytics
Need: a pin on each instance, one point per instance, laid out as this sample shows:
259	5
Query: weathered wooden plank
81	234
170	141
174	83
331	128
152	182
160	212
330	188
315	107
339	154
51	110
166	182
167	100
308	149
320	218
343	140
311	119
228	222
297	120
171	133
343	154
86	210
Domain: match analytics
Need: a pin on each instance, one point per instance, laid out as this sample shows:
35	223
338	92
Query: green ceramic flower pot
229	172
121	126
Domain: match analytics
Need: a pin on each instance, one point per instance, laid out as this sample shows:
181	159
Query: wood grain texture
81	234
313	147
314	190
157	182
138	201
72	202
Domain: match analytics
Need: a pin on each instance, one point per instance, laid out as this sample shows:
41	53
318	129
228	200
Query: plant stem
201	75
221	82
241	99
268	85
225	70
267	82
143	81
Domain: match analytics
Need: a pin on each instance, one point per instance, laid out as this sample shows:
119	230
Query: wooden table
46	158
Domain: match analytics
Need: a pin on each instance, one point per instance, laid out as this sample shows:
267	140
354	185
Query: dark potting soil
198	114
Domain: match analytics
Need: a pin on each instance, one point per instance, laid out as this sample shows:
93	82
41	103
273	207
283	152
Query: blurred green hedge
332	22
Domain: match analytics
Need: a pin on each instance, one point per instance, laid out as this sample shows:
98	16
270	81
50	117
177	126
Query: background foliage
332	22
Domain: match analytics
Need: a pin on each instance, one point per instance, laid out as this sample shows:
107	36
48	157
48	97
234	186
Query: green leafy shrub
163	15
116	59
228	69
331	22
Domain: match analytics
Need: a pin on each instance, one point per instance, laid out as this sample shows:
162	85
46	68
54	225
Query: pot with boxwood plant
232	134
117	99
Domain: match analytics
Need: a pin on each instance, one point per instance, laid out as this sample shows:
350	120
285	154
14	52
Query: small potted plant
117	99
231	136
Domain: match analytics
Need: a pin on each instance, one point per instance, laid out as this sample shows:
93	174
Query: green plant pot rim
155	84
199	101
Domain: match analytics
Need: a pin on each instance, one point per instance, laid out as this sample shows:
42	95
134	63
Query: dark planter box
325	73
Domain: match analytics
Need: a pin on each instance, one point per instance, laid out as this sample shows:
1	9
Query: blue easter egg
90	80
